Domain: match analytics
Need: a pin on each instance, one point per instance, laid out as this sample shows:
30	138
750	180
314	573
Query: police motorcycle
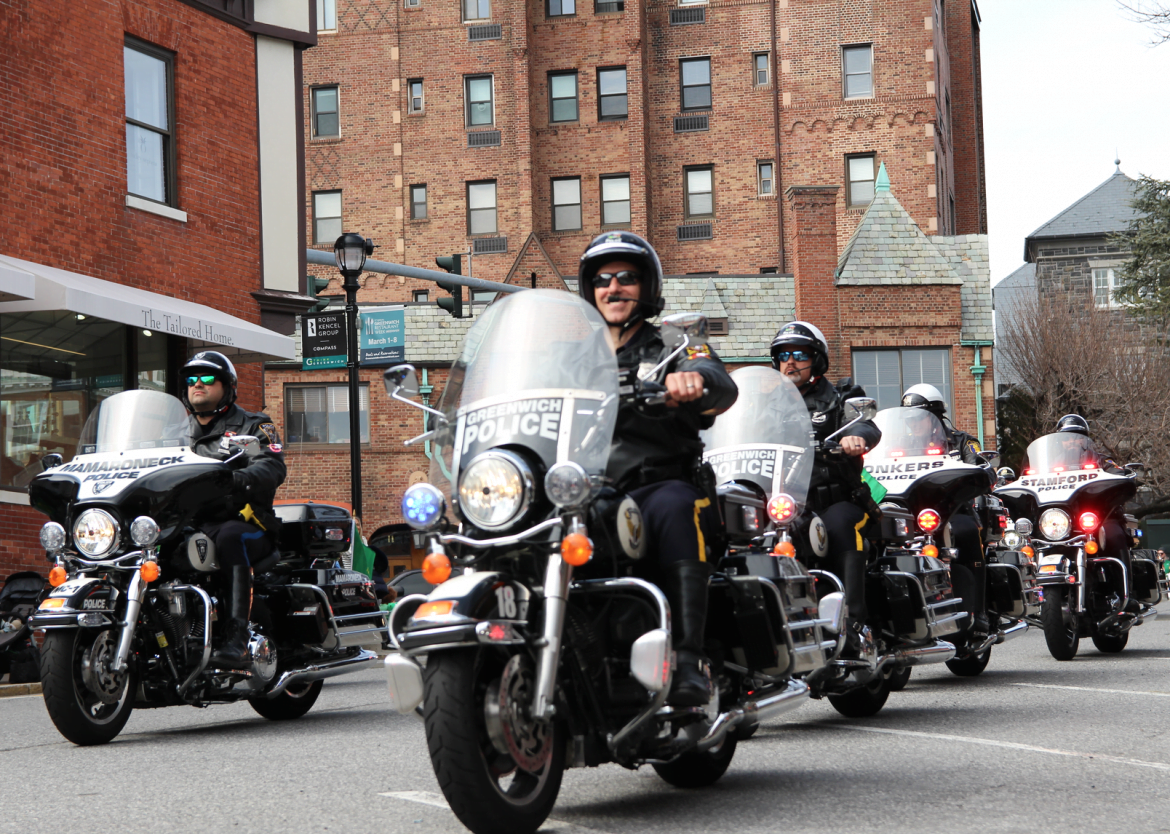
762	450
131	615
1065	494
931	484
541	649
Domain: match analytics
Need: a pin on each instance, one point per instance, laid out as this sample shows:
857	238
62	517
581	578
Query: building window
615	200
326	216
885	374
325	116
696	83
859	178
760	69
612	102
320	413
560	8
566	198
420	296
562	93
477	9
414	89
857	70
1104	287
700	196
418	202
478	92
150	117
326	15
413	4
483	296
481	208
764	177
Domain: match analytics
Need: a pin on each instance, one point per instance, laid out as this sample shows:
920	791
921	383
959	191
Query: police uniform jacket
647	449
965	444
835	477
257	482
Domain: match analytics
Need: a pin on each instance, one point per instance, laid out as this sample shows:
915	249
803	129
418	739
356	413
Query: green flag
875	488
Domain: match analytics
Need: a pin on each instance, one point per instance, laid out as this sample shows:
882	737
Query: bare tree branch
1152	13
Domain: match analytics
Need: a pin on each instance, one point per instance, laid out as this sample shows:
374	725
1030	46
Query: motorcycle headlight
95	532
1011	539
144	531
1055	524
53	537
567	484
495	489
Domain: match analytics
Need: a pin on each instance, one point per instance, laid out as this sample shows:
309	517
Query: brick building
743	139
150	174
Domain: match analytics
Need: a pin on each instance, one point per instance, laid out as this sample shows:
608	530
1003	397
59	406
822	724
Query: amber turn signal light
931	551
1091	547
438	608
436	568
149	571
57	576
1028	551
576	549
785	549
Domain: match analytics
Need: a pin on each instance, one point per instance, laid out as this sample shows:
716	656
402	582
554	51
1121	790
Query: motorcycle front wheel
292	703
971	665
1110	643
73	663
464	690
1060	625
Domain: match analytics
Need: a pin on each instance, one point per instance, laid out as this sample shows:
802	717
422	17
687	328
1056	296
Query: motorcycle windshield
1061	452
765	438
908	433
537	370
134	420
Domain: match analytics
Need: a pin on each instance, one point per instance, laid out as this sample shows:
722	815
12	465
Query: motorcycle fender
476	598
83	595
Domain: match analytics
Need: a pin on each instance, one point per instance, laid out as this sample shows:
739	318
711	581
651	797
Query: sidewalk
11	690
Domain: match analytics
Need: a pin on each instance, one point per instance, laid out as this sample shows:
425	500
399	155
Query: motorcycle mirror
1006	473
50	460
1136	468
247	443
991	456
401	378
861	408
683	327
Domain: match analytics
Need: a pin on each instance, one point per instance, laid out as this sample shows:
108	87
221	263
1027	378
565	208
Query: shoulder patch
270	432
698	352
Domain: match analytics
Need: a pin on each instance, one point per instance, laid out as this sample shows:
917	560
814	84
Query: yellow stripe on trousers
857	531
699	505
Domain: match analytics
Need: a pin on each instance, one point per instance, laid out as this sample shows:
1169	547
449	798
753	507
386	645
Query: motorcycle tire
699	769
1060	634
899	679
1110	643
292	703
485	788
78	713
971	665
863	701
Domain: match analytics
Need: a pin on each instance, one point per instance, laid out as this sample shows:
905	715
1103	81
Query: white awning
57	289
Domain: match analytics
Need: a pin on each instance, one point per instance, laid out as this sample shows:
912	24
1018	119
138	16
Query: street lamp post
350	251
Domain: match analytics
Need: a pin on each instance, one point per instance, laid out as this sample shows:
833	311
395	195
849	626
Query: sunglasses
207	379
627	278
795	355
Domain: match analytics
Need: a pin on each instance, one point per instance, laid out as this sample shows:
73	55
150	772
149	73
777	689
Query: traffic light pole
316	256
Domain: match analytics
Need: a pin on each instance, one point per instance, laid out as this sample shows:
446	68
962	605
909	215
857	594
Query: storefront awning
57	289
16	284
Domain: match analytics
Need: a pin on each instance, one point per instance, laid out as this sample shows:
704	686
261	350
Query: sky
1068	86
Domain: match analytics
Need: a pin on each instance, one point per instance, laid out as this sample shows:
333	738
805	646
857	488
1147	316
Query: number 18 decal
506	603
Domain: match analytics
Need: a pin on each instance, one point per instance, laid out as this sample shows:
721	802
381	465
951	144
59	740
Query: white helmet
925	396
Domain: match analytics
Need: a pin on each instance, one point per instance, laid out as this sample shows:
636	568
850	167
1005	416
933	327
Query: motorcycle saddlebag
912	595
744	617
1145	581
1005	589
311	528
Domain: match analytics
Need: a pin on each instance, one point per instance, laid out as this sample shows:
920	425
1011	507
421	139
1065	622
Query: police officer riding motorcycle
656	454
837	492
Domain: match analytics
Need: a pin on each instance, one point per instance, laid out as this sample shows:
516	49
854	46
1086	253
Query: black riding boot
685	586
233	651
853	565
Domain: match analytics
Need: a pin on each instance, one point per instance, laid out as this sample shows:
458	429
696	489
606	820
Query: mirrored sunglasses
206	379
627	278
796	355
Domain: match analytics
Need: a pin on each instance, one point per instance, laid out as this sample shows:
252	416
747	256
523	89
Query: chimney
814	263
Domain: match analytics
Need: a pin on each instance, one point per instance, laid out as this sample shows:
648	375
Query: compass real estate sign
381	339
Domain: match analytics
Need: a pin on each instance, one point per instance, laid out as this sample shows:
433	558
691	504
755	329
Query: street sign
381	336
323	341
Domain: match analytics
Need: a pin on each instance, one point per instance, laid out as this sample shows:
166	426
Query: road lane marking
1096	689
1009	745
435	800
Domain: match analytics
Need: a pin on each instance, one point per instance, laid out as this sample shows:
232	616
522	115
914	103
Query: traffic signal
316	286
454	304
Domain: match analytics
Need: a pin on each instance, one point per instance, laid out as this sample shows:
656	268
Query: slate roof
888	248
1107	208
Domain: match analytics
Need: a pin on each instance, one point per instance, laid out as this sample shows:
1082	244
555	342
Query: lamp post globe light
350	251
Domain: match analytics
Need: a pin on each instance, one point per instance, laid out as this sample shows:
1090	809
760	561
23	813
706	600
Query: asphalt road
1031	745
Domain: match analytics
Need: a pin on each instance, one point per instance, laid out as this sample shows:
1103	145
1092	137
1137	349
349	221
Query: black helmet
624	246
925	396
1074	423
211	362
801	334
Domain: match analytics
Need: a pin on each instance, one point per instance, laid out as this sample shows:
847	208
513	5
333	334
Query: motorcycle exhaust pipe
319	671
753	712
1011	632
940	652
